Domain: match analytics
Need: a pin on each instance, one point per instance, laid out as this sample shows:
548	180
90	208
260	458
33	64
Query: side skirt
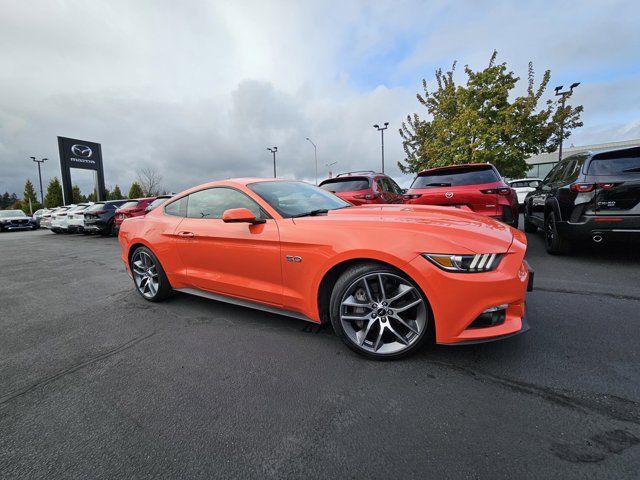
244	303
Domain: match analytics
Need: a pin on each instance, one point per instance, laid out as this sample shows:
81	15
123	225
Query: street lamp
39	162
328	165
381	130
273	150
315	154
564	96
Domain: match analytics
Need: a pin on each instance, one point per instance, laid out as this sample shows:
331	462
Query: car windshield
130	204
348	184
455	177
296	199
12	213
156	202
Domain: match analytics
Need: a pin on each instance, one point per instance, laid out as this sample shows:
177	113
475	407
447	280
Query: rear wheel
554	242
148	275
378	312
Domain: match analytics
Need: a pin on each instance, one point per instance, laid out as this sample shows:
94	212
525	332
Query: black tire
529	226
164	289
346	282
553	241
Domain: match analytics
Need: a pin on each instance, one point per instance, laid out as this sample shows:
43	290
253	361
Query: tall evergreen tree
76	194
479	122
5	200
53	198
29	192
136	191
116	194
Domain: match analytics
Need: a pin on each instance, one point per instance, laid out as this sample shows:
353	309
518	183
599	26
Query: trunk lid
617	179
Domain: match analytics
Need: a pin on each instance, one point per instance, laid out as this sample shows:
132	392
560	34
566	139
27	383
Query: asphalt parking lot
97	383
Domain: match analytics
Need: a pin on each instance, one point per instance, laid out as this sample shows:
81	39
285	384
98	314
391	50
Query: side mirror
240	215
403	191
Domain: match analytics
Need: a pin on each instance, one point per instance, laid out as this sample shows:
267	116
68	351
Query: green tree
53	198
477	122
136	191
92	197
116	194
29	193
76	194
5	200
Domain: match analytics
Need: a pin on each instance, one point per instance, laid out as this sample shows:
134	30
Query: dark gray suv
587	196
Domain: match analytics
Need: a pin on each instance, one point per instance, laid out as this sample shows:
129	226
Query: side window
174	208
391	186
379	185
555	173
212	203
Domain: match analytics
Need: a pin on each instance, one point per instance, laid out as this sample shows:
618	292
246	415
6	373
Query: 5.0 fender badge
293	258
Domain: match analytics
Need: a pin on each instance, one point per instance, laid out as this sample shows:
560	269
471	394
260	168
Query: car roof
462	166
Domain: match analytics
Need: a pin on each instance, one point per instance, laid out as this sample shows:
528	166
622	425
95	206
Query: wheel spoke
137	267
404	289
152	287
378	342
355	318
363	334
398	319
400	337
383	296
352	302
409	305
366	287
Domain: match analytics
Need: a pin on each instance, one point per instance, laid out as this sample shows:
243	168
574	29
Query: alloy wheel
145	274
383	313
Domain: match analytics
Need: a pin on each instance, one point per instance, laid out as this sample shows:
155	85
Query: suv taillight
367	196
499	191
582	187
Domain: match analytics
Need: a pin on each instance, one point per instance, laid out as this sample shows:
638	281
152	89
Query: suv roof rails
356	171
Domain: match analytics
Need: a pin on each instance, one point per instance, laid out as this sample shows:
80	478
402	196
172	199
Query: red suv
133	208
477	186
364	187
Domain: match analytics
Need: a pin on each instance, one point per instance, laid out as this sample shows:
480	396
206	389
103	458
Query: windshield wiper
438	184
312	213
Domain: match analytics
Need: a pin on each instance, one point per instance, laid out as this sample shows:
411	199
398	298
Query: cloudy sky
200	89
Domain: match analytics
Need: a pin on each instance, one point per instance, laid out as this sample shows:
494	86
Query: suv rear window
349	184
130	204
614	166
455	177
95	207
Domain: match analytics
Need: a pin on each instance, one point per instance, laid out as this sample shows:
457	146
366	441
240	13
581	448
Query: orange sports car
387	277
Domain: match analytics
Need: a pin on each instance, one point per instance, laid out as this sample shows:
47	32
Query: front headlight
465	263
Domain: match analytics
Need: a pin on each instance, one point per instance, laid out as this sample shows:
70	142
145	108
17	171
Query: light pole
564	96
381	130
315	154
274	150
328	165
39	162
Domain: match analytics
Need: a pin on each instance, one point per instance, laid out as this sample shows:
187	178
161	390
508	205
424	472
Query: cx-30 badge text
81	151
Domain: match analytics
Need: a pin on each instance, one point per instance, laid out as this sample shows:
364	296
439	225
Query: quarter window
212	203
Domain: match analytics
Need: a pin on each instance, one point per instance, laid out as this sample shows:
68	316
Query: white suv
522	186
75	217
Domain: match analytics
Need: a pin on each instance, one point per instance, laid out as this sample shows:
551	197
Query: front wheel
148	275
378	312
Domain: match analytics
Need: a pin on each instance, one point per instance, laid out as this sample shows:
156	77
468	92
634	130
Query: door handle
186	234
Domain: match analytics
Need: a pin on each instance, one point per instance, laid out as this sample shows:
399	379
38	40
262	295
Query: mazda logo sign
448	194
81	151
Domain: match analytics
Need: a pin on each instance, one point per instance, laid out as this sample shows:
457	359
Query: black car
99	217
587	196
16	220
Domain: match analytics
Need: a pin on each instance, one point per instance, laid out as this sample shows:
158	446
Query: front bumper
458	299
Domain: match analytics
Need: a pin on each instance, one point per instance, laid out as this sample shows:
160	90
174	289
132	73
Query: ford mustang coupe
387	277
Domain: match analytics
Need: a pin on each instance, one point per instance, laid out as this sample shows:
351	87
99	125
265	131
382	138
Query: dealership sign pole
84	155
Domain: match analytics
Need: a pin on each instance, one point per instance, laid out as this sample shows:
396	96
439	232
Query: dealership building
540	165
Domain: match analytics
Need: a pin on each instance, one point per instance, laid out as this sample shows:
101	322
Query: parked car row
103	218
476	187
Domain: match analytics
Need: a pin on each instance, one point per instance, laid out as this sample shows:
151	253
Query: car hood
444	226
4	219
